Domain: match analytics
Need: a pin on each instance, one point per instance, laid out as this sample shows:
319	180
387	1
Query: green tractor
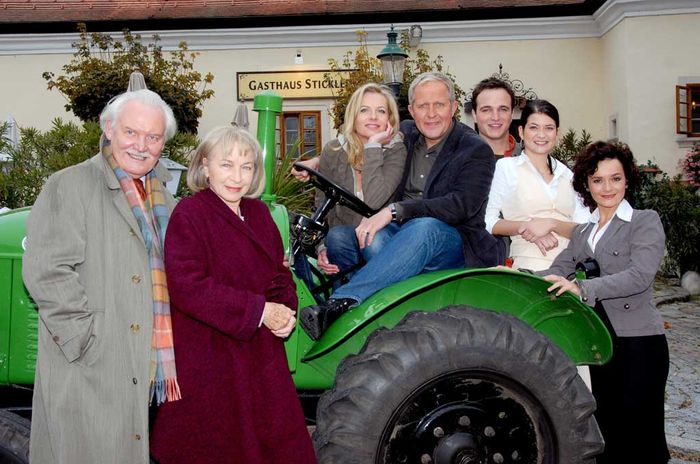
458	366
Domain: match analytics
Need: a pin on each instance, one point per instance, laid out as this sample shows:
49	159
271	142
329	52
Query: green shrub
690	165
38	155
570	145
297	197
100	70
678	205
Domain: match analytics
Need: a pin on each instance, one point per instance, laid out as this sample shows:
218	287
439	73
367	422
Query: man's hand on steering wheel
369	227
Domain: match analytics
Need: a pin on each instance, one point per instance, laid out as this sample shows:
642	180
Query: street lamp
393	60
175	169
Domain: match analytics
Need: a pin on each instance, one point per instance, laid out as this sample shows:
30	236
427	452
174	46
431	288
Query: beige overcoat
86	266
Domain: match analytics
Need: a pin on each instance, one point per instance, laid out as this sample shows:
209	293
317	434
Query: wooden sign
291	84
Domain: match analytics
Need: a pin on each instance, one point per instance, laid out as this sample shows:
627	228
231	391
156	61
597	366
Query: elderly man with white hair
94	266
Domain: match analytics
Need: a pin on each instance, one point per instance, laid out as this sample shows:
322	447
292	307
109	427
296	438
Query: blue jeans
344	250
419	245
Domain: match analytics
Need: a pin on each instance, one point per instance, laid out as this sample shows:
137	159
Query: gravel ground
681	315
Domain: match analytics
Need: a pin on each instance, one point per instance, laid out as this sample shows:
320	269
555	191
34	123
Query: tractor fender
570	324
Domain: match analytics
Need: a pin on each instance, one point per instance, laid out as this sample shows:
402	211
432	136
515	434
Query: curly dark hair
587	164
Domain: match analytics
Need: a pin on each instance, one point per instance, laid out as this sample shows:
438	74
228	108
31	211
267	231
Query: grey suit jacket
629	255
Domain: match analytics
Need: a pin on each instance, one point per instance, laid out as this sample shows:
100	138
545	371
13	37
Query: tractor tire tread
14	437
370	385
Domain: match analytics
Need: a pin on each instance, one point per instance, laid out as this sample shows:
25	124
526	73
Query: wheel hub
458	448
446	430
462	420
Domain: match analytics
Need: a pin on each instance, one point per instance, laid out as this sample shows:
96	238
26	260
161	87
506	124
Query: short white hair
114	108
431	76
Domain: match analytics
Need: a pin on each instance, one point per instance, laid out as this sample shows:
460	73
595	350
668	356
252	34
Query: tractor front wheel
457	386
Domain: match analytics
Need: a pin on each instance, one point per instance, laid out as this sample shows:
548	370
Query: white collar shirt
624	211
505	184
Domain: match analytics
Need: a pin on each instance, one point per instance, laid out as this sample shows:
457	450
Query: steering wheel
335	194
308	232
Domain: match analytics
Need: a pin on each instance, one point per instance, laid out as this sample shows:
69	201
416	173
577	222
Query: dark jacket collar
450	145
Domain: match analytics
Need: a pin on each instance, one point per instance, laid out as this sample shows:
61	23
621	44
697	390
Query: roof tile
38	11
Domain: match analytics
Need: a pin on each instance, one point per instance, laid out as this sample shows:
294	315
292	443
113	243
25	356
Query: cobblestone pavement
681	316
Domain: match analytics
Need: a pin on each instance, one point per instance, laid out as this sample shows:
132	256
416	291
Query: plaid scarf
152	218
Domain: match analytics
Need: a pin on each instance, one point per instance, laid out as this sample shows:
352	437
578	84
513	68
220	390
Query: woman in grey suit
628	245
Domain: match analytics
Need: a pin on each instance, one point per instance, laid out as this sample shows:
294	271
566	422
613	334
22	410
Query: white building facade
613	73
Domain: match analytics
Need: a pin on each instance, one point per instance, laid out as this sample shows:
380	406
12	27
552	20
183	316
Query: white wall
566	72
224	64
629	73
643	59
23	92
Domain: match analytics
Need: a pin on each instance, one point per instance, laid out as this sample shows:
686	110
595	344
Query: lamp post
175	169
393	60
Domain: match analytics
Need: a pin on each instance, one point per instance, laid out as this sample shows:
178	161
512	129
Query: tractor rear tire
14	438
460	385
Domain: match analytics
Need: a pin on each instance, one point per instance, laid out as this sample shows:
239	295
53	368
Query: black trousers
629	391
152	413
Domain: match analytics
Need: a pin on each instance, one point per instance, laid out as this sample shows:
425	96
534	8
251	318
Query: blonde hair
223	140
355	147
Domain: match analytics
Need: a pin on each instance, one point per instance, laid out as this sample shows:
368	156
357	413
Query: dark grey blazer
629	255
456	191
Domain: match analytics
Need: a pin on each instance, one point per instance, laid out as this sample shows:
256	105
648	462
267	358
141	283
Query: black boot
316	319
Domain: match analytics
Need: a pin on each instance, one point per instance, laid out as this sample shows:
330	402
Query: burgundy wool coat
238	401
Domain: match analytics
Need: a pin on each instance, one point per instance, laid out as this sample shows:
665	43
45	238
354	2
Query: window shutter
683	110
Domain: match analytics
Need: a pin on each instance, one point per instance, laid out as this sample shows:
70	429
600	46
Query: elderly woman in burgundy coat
233	304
